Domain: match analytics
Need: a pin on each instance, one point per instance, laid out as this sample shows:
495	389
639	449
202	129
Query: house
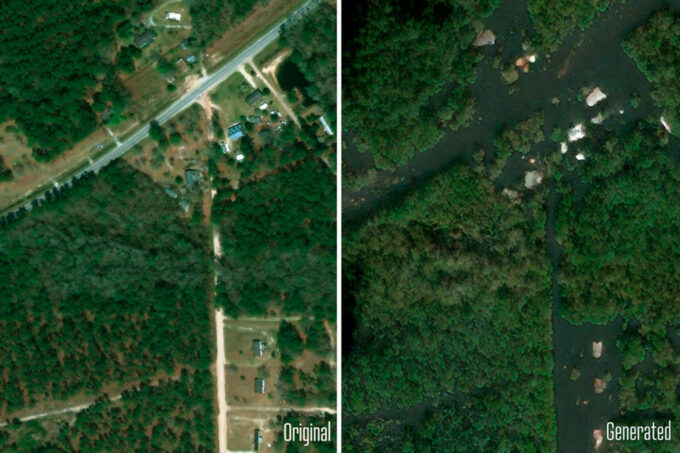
258	348
235	131
106	115
191	59
169	15
253	97
192	177
259	385
145	38
258	439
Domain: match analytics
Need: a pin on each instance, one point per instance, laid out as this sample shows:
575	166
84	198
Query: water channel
593	57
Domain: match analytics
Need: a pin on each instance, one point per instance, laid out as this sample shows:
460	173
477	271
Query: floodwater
590	58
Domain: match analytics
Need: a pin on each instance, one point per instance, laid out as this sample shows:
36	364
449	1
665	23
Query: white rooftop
595	96
240	157
577	132
173	16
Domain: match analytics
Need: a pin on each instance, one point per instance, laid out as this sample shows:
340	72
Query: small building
191	59
253	97
264	133
258	439
258	348
106	115
254	119
169	15
325	125
181	64
263	106
224	146
259	385
145	38
192	177
240	157
235	131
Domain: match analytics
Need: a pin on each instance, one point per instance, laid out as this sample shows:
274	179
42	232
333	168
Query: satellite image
511	226
168	226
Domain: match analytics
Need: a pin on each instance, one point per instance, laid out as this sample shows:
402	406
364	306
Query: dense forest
555	20
655	47
104	285
449	291
390	78
57	56
278	237
314	51
209	18
172	415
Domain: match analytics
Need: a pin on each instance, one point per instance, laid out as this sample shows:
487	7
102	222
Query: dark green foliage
314	44
54	54
655	47
556	19
174	415
5	173
104	284
278	237
634	192
209	18
620	255
450	293
289	342
400	55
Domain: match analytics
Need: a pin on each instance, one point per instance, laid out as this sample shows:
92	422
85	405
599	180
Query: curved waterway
593	57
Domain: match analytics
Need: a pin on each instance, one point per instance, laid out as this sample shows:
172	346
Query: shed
258	348
169	15
257	438
259	385
253	97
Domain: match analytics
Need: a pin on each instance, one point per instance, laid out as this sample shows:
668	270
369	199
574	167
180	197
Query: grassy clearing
239	340
176	7
241	385
230	97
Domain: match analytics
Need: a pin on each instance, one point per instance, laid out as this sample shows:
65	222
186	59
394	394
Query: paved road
185	101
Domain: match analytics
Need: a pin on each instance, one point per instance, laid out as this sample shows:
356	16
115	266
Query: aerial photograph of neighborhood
168	229
511	226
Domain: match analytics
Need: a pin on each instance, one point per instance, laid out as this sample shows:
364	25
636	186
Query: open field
244	32
230	97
